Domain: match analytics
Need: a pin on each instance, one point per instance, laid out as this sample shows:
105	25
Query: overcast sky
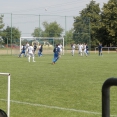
50	7
44	7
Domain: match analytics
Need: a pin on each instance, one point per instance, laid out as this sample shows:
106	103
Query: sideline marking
55	107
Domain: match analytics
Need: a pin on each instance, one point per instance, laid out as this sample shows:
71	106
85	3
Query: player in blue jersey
40	50
56	54
23	51
100	49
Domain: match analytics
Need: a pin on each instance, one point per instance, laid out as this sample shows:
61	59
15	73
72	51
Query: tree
81	30
69	37
52	30
1	29
15	33
1	24
109	23
38	32
87	24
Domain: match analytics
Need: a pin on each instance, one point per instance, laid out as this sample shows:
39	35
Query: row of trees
103	23
92	26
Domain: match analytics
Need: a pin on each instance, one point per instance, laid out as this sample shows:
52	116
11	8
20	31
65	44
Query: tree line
93	25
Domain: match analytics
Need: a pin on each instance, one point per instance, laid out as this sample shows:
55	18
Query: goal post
47	41
8	93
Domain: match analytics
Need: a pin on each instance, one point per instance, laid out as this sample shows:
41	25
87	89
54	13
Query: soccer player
56	54
23	51
26	51
40	50
80	49
35	47
61	49
85	50
73	49
2	113
31	53
100	49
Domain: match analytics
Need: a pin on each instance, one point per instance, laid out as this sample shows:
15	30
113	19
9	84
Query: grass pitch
70	88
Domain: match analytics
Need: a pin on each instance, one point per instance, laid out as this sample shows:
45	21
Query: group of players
29	50
82	49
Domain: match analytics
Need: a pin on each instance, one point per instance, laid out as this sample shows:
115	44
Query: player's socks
28	59
33	59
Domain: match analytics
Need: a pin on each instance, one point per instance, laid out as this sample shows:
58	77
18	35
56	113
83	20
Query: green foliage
13	33
50	30
37	32
1	26
53	29
1	22
69	37
70	88
81	30
87	24
109	23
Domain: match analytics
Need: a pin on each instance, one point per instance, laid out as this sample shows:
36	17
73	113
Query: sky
34	12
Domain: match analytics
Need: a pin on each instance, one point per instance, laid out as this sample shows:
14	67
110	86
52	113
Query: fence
108	49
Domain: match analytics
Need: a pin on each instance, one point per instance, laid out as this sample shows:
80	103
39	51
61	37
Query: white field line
55	107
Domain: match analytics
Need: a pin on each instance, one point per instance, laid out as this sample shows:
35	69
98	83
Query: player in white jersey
80	49
73	49
30	53
61	49
26	51
60	46
83	47
85	51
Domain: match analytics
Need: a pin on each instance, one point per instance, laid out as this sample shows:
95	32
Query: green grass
70	88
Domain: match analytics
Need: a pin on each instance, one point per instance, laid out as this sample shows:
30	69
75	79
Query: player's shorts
26	50
80	51
30	54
